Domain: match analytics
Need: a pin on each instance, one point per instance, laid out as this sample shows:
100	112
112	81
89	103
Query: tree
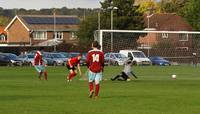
126	17
4	20
145	6
86	31
191	13
172	6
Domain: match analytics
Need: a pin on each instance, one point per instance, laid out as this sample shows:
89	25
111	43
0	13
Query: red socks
97	90
71	75
45	75
91	86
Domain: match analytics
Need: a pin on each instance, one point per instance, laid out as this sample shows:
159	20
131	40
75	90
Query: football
174	76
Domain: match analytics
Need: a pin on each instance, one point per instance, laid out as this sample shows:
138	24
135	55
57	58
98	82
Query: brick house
42	30
3	36
166	22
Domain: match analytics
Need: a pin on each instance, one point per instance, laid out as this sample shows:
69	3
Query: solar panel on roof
50	20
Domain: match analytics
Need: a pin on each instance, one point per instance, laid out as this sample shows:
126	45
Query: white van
137	55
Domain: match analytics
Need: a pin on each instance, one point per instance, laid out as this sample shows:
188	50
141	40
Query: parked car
83	59
4	60
137	56
115	58
28	59
67	55
12	59
156	60
49	61
74	54
58	59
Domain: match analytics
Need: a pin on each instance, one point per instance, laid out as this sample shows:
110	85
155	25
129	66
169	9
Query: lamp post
148	28
149	15
111	24
54	27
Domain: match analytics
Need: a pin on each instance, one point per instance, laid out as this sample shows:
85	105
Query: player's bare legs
91	86
72	74
45	75
97	87
40	75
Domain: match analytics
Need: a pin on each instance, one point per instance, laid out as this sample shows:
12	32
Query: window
2	37
73	36
58	35
182	48
165	35
40	35
129	54
183	37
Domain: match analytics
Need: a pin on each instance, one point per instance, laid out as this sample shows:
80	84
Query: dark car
12	59
4	60
156	60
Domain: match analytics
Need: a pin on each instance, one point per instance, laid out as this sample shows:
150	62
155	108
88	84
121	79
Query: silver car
58	59
115	59
28	59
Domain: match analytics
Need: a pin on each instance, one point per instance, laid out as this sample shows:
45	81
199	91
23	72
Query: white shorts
40	68
94	77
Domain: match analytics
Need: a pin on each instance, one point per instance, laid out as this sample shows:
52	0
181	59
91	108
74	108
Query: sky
39	4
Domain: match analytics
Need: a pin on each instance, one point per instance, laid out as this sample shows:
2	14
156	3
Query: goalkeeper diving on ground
127	71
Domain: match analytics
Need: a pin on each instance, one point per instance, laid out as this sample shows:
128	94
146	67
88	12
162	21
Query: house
42	30
3	35
166	22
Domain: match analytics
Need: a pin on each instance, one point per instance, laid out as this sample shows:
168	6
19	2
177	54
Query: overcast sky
39	4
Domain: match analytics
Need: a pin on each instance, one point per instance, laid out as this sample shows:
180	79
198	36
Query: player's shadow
118	97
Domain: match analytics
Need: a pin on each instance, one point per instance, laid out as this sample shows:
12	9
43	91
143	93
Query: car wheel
30	64
10	64
116	63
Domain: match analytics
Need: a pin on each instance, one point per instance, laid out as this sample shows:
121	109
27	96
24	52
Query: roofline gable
16	17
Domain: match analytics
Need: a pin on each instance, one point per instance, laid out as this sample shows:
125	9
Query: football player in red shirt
95	63
39	64
71	65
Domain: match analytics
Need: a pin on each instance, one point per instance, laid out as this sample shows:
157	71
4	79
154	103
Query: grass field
155	92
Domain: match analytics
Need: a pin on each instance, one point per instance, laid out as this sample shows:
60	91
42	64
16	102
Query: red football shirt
95	60
73	61
38	58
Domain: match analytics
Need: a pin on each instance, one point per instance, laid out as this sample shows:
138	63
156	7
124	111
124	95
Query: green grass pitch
155	92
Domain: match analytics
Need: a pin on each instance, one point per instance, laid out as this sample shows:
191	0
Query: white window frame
73	35
180	38
183	48
165	35
58	35
36	35
2	37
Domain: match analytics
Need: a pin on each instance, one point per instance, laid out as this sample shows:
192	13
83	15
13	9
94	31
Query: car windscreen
74	54
66	55
158	58
119	56
12	56
58	56
139	55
